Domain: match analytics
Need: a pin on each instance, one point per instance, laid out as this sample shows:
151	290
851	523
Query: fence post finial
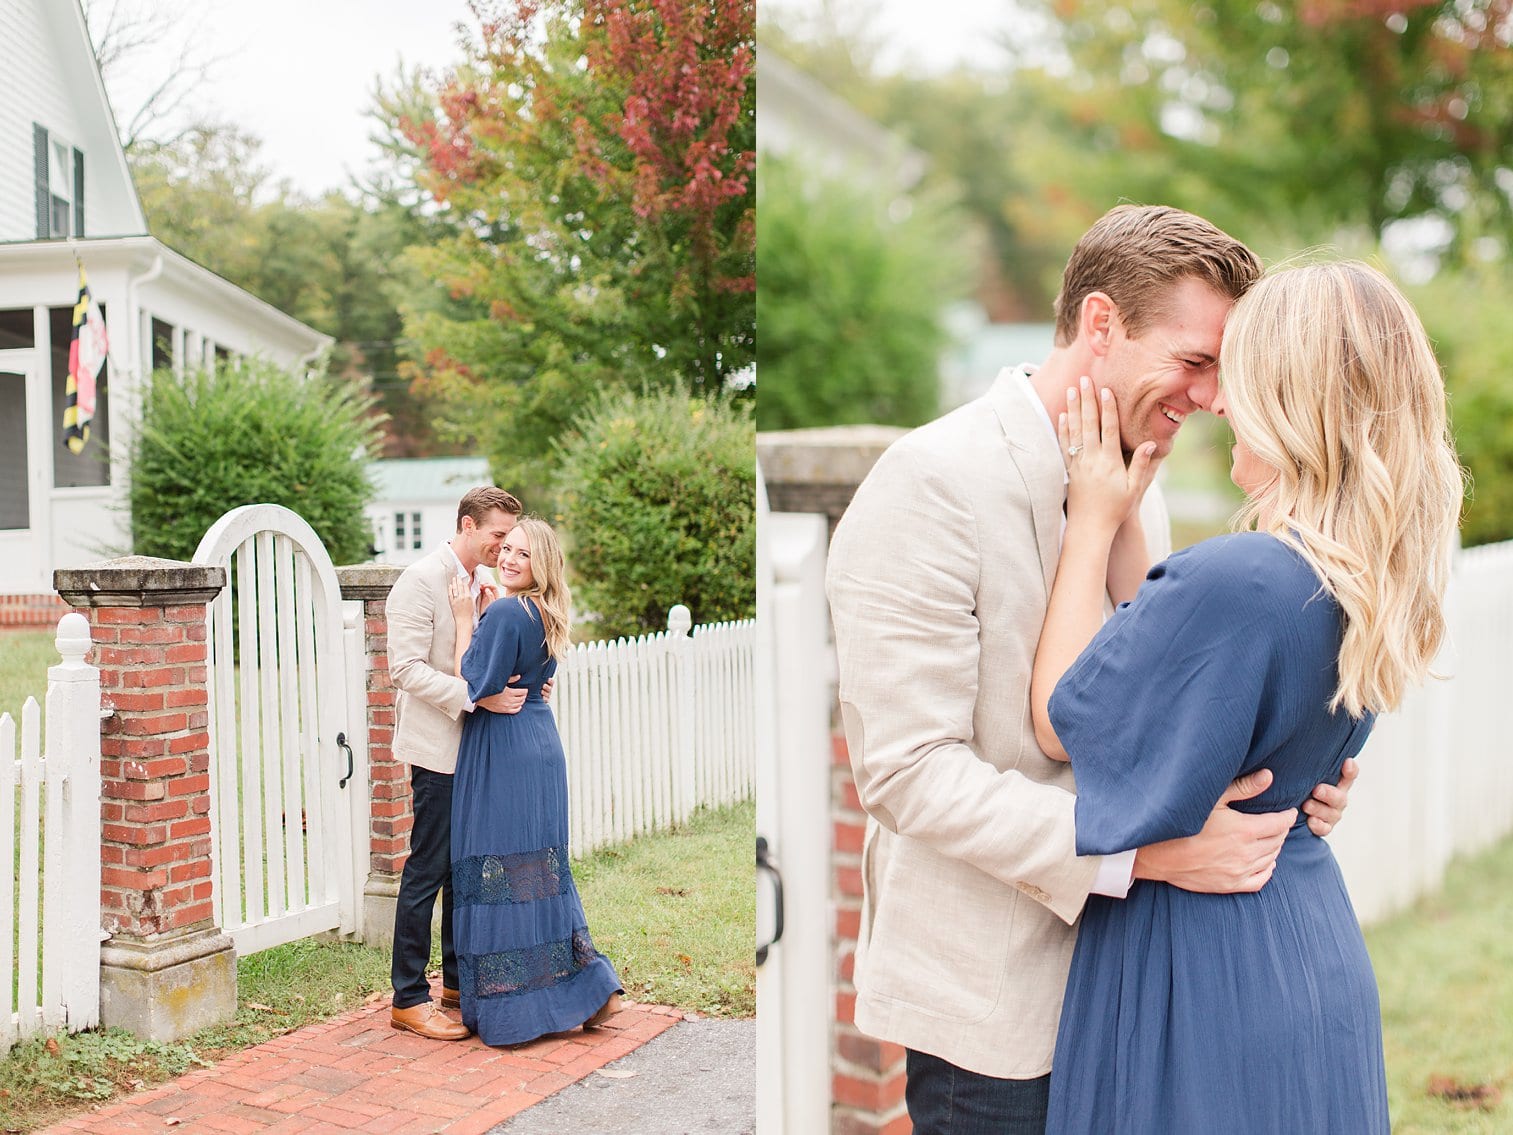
679	620
73	641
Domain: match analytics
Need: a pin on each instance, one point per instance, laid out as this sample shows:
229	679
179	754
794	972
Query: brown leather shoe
608	1010
451	998
428	1021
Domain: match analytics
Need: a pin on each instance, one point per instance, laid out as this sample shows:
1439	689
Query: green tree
253	434
1310	120
335	263
594	171
851	302
1463	313
658	498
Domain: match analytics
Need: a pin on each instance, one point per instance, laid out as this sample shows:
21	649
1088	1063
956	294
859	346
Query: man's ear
1097	319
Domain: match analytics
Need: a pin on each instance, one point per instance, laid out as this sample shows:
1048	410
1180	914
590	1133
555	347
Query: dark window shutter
78	193
44	209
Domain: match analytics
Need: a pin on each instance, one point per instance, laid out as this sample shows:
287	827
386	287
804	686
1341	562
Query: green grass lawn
25	656
1445	970
675	912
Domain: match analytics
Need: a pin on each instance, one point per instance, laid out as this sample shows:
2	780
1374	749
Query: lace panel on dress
531	967
483	880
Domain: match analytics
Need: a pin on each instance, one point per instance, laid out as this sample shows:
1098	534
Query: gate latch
341	741
764	863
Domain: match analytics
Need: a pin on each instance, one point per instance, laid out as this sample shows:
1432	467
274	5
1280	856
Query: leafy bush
658	499
1463	313
216	439
849	302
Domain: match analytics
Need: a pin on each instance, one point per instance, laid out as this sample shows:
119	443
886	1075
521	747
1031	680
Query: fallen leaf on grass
679	891
1452	1091
615	1073
260	1007
685	959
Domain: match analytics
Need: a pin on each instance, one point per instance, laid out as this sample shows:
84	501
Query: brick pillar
391	814
867	1075
817	471
166	969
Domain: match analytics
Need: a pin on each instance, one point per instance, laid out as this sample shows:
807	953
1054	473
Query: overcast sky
300	73
915	35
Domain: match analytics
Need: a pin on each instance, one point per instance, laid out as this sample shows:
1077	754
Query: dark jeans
428	870
946	1100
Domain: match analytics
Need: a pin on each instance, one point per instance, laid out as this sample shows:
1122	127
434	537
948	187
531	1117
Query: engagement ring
1073	450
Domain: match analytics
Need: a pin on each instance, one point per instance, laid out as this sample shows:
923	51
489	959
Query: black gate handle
341	740
764	863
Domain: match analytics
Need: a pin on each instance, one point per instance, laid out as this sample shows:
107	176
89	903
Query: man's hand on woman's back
1235	851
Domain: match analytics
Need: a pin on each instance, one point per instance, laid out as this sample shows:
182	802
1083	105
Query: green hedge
657	494
853	284
1464	313
254	434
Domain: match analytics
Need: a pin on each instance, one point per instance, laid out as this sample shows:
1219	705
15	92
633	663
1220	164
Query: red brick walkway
355	1073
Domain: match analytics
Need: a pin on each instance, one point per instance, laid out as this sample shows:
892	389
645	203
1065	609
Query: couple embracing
1149	939
473	667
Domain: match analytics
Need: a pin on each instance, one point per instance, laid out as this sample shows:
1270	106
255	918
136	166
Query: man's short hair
1136	253
479	502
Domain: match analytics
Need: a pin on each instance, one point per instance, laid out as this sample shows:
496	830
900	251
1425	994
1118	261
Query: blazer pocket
940	933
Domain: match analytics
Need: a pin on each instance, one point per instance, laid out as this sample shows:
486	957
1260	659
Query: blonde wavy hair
1331	382
548	586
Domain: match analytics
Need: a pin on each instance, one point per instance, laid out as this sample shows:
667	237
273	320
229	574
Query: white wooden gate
50	956
288	771
795	676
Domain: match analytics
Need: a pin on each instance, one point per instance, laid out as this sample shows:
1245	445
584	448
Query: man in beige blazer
427	729
938	579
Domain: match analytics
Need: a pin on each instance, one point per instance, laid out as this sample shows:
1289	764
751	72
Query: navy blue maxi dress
1188	1013
525	960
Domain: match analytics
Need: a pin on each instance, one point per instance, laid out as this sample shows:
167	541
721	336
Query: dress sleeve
1159	712
494	654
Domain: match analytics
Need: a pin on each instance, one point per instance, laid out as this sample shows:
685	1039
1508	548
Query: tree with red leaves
595	161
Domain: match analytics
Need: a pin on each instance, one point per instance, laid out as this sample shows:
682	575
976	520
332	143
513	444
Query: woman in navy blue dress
1274	648
525	959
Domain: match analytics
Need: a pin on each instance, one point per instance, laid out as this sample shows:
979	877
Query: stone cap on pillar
818	470
367	581
139	581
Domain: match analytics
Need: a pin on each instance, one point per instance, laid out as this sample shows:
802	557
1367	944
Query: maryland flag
86	358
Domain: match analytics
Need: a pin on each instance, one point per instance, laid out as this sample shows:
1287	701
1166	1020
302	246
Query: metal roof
440	479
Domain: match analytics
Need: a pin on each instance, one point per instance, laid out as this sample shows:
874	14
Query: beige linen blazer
422	637
938	579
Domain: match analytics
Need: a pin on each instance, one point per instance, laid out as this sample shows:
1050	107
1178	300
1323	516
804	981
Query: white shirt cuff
470	706
1115	873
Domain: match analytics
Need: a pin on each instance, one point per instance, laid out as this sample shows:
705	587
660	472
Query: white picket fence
655	727
50	828
1436	780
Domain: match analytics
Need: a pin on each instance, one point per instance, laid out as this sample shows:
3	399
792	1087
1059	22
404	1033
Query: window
17	329
60	189
407	531
58	175
162	345
14	495
92	466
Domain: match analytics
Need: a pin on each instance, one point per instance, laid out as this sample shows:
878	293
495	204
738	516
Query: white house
799	118
415	505
66	198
